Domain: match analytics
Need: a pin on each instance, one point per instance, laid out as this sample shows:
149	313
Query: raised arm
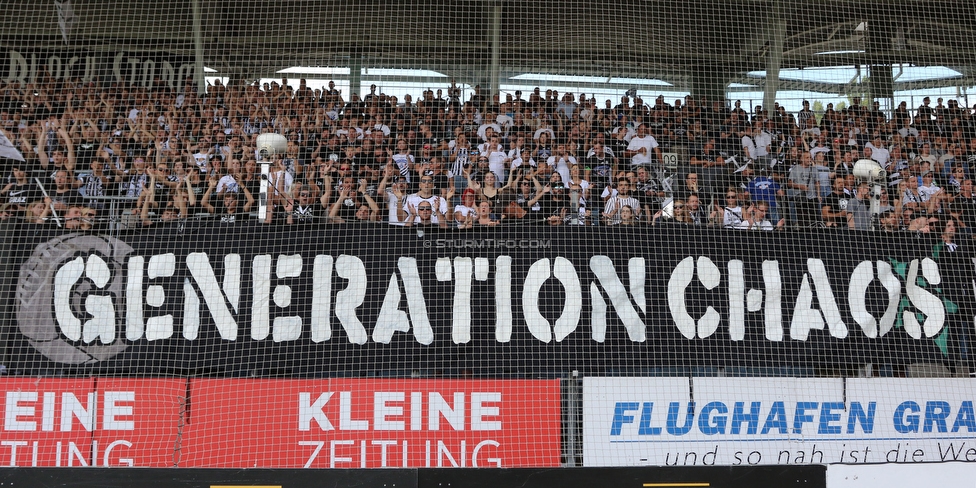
441	216
402	211
387	173
147	202
374	209
181	204
205	203
69	161
289	211
511	180
248	197
410	214
42	147
191	195
540	191
334	209
326	192
474	185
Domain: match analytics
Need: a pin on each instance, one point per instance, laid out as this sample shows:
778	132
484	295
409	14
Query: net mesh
479	234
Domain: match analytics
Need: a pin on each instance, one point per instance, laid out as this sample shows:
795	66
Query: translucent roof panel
588	79
921	73
316	70
640	81
558	78
335	70
841	74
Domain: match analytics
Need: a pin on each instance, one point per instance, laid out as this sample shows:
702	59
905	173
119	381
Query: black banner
643	477
213	478
717	477
299	301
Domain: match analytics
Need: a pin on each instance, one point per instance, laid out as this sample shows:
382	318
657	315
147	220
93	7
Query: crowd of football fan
159	155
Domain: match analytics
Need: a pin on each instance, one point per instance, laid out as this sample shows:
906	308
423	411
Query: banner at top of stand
283	300
132	68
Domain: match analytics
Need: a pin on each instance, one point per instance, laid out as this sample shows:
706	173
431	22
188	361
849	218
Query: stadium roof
665	40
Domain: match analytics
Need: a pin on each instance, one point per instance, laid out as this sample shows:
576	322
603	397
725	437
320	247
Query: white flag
66	18
8	150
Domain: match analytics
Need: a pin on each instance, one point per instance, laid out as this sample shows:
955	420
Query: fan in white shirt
879	152
641	147
485	133
497	157
928	186
560	162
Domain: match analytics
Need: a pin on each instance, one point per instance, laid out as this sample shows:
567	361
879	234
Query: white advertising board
776	421
901	475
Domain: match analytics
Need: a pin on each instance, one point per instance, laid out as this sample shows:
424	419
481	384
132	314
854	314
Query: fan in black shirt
21	190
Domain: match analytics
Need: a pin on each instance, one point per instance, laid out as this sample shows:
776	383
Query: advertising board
776	421
352	423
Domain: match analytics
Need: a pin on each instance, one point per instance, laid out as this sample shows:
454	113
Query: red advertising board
47	422
279	423
345	423
142	428
89	421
